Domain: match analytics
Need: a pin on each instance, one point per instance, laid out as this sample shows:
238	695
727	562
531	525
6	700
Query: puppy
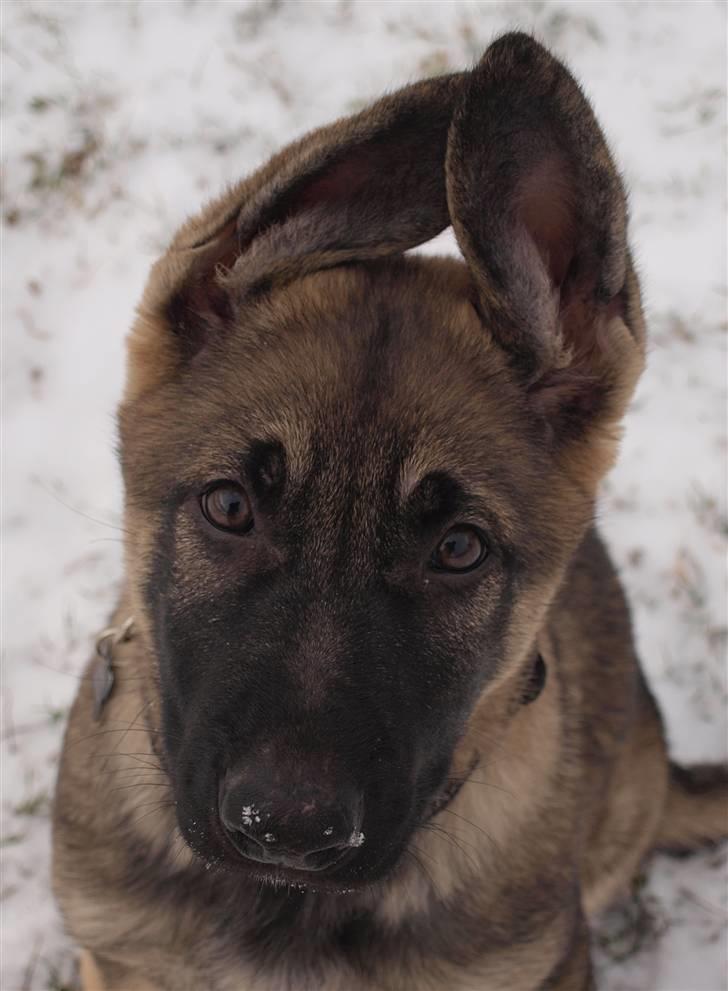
369	715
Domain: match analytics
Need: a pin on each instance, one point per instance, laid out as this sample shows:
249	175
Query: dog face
354	478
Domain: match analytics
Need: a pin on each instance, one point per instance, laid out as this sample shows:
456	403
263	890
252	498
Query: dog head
354	478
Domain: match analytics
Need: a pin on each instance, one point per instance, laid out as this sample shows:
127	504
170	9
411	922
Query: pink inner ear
342	182
546	210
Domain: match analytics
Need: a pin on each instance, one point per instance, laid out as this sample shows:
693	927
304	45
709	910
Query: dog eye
462	549
227	507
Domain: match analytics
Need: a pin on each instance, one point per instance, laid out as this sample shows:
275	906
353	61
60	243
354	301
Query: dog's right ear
366	186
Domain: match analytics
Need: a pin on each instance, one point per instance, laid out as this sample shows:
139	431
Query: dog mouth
355	869
275	874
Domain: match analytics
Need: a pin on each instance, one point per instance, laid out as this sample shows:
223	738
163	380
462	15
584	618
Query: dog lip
277	875
303	881
279	858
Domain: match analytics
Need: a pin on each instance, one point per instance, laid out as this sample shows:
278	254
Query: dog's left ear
539	212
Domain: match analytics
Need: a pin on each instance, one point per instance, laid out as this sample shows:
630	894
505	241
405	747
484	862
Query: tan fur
92	979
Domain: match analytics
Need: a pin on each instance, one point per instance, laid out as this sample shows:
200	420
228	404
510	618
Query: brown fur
285	311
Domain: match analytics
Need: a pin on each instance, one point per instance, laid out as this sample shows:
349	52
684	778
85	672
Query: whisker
88	675
128	772
152	762
79	512
132	725
139	784
438	828
160	806
105	732
475	781
448	836
181	845
428	877
145	805
473	824
498	744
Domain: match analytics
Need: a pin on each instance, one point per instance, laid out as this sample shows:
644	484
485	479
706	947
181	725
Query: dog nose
300	827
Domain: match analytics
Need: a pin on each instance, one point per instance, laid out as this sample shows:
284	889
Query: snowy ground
119	119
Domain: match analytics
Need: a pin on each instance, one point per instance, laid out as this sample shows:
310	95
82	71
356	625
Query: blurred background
119	119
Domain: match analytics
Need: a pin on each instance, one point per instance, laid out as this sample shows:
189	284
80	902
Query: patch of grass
557	24
39	104
47	176
688	581
61	973
57	982
56	714
35	805
11	839
436	63
708	512
251	20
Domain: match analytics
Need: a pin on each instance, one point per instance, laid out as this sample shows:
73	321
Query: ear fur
366	186
540	214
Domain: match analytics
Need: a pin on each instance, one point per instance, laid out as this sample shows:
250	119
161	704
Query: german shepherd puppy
379	723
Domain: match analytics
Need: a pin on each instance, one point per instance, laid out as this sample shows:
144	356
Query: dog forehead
392	352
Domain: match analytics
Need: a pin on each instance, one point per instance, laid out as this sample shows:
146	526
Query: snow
356	839
119	120
249	815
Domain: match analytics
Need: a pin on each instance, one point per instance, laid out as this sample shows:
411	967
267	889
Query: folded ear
539	212
368	185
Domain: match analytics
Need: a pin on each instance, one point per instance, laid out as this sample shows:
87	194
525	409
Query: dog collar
103	676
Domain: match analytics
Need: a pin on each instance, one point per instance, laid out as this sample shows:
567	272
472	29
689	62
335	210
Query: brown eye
461	549
227	507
